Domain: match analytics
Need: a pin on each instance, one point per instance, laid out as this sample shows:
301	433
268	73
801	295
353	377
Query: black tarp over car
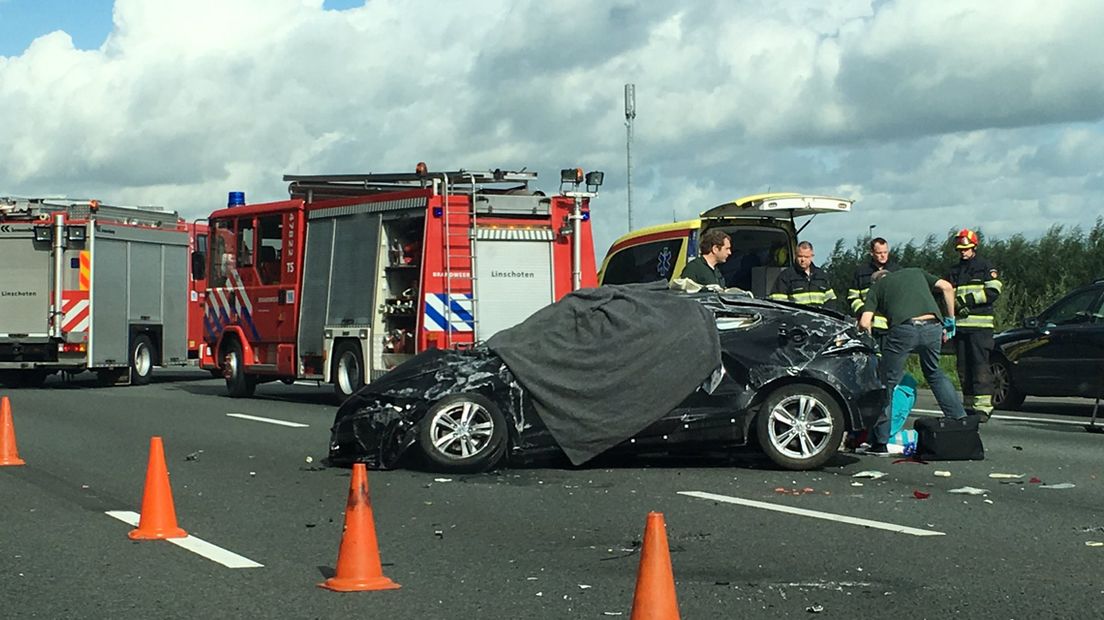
603	364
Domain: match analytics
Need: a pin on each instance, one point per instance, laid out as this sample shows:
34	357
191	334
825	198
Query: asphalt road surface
530	543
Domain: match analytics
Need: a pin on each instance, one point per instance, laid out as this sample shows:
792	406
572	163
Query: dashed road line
815	514
198	546
244	416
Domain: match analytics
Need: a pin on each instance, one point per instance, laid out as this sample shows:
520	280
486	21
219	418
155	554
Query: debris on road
920	494
999	476
1060	485
583	586
968	491
194	456
870	473
942	473
309	459
987	501
814	609
1034	480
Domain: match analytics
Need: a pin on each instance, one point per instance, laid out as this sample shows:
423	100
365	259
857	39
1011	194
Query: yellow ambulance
763	229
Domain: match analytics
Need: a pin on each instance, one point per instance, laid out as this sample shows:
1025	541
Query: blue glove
948	327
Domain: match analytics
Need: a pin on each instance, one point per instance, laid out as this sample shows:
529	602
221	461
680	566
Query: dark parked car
624	369
1058	353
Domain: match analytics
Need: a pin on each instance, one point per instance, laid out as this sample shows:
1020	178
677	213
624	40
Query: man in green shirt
715	248
916	325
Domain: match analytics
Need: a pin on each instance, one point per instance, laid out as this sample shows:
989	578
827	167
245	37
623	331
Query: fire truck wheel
348	372
463	433
141	360
238	384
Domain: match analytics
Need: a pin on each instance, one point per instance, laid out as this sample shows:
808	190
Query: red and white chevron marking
75	310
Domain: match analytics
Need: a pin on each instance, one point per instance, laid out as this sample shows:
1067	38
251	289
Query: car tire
348	369
463	433
141	359
799	427
1005	395
238	384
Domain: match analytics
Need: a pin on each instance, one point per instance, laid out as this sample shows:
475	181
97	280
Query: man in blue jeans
916	325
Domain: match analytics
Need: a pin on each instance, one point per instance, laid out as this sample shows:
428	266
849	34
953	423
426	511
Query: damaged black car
635	369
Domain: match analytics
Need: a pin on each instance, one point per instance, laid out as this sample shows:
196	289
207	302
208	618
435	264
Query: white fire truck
88	286
357	273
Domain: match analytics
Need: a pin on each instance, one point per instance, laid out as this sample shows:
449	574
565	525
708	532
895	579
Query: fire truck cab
355	274
89	286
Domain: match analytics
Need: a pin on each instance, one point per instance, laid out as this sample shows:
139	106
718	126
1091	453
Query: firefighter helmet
966	239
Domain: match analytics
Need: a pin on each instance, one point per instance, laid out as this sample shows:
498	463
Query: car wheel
348	372
238	384
1005	395
800	426
463	433
141	360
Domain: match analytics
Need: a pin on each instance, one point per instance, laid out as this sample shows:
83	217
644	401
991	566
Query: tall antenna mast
630	114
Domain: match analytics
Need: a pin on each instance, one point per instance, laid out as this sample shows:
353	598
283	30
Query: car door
1064	357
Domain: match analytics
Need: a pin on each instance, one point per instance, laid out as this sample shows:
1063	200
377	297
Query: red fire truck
355	274
90	286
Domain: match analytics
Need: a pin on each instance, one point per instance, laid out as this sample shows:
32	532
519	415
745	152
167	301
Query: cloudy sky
931	115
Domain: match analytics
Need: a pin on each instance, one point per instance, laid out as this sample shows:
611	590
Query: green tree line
1035	273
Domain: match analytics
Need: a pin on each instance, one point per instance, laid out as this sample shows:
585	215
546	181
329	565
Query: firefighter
715	248
856	295
804	283
977	287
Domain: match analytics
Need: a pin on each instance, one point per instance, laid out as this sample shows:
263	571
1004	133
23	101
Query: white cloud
935	114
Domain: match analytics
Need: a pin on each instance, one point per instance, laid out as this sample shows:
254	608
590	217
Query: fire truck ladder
41	208
459	246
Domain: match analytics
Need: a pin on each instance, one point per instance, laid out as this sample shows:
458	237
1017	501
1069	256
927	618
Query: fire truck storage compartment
25	285
397	320
341	261
513	276
138	277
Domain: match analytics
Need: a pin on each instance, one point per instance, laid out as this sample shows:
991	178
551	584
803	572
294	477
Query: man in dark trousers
804	283
715	248
856	295
905	298
977	288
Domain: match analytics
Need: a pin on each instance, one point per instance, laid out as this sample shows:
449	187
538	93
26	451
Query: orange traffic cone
158	518
358	561
9	454
655	582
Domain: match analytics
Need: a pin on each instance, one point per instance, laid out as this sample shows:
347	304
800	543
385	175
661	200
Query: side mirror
1031	322
199	265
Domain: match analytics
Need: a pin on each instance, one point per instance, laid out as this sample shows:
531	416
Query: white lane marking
1015	418
198	546
816	514
269	420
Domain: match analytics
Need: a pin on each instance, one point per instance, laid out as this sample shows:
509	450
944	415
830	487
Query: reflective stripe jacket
856	295
977	288
795	286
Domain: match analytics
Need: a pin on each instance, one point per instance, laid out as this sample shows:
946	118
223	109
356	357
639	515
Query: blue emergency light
236	199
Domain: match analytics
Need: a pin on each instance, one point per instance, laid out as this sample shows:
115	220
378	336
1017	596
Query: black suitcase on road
944	439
